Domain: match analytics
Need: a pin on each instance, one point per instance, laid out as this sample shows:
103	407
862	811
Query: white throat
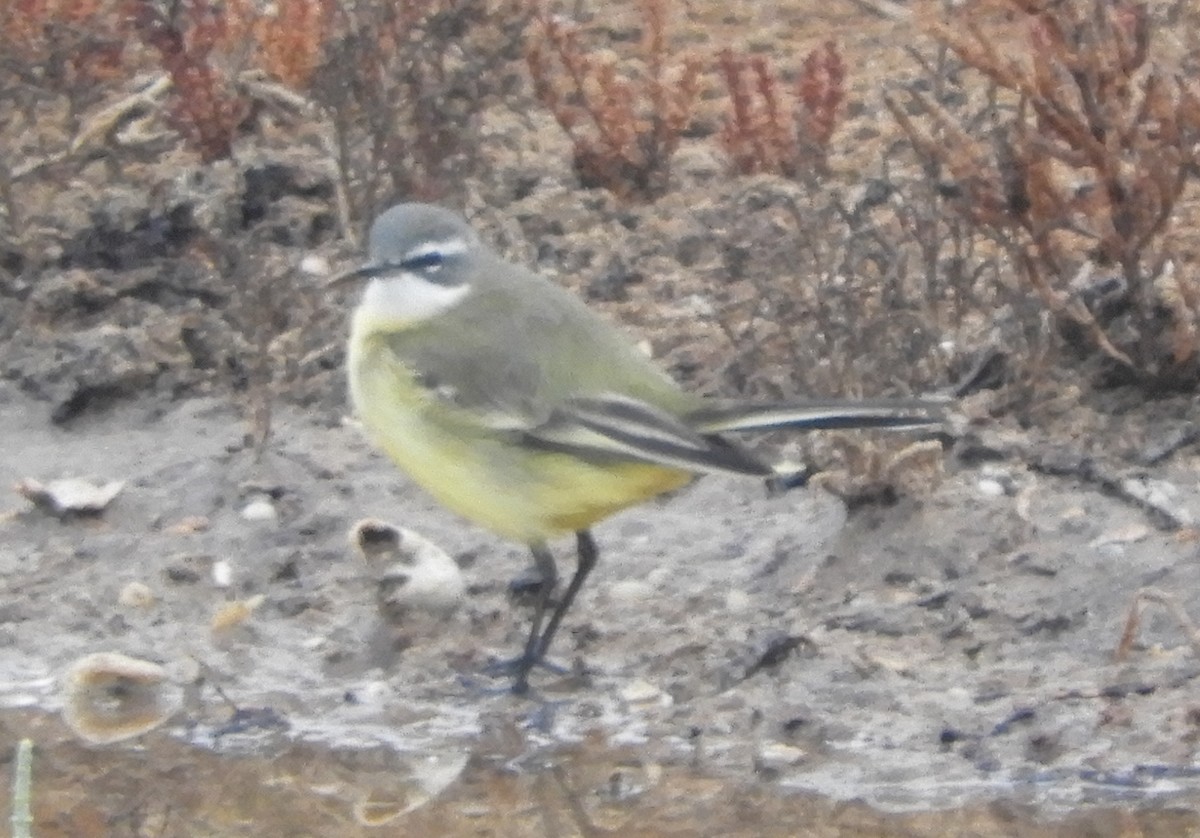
407	299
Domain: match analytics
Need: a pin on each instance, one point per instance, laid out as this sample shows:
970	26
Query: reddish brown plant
291	41
769	131
624	125
205	108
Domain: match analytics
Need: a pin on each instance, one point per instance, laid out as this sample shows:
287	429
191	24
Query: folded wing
621	427
616	426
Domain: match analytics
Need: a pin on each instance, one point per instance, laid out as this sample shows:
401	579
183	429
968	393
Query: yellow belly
523	494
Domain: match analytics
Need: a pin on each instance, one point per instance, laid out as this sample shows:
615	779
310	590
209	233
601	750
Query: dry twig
1086	169
1133	622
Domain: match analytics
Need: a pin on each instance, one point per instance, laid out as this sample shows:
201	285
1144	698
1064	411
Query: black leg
546	568
587	554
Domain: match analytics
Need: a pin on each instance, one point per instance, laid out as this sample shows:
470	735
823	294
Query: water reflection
162	786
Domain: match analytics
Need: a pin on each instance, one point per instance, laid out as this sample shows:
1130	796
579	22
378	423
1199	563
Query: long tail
819	414
602	427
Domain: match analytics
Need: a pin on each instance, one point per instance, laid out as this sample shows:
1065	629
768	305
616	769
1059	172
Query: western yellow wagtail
519	408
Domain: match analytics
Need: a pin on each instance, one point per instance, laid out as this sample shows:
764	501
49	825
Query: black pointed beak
355	276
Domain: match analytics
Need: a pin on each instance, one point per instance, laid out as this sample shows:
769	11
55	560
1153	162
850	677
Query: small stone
643	692
315	265
990	488
222	573
137	595
260	509
630	590
778	755
996	481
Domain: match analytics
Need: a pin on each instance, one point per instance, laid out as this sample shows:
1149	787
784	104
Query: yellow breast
487	476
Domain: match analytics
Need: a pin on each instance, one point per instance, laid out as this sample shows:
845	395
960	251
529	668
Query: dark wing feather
613	426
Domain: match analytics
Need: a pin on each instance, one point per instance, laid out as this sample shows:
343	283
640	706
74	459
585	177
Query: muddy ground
927	650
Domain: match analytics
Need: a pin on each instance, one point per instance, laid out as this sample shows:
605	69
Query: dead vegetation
1032	207
401	90
1079	175
204	108
769	131
625	118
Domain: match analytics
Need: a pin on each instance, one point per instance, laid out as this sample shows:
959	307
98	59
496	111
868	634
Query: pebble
777	755
630	590
990	488
315	265
222	573
643	692
260	509
136	595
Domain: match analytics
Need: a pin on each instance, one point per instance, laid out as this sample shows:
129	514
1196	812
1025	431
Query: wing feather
818	414
618	426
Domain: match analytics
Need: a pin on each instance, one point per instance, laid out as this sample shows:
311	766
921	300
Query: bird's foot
518	669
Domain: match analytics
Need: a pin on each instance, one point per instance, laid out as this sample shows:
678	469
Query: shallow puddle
259	782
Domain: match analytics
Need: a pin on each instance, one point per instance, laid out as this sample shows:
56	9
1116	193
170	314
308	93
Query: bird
516	406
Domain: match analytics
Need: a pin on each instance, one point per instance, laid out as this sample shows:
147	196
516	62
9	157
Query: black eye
430	261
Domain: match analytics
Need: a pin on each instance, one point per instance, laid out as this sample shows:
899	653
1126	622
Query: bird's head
420	264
